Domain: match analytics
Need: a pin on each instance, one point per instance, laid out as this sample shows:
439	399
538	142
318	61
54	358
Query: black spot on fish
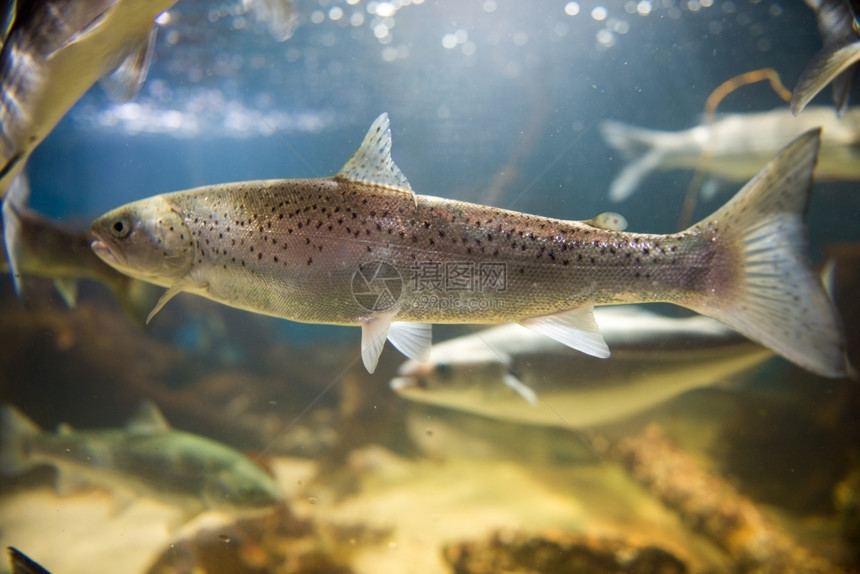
310	260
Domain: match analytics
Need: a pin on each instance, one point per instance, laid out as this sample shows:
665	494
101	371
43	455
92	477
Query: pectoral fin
575	328
520	388
162	301
68	290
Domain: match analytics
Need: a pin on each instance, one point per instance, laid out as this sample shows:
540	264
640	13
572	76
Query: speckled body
291	248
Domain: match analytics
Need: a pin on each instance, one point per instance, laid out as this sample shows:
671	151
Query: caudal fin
776	299
637	145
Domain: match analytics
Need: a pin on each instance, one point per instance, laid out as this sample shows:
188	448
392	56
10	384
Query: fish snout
108	253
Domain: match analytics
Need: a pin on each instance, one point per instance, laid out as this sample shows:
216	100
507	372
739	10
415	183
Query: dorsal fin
372	162
147	419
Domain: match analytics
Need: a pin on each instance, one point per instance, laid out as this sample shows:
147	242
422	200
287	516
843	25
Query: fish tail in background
14	202
776	299
639	147
15	427
829	65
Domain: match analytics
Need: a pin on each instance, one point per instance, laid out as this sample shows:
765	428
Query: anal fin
575	328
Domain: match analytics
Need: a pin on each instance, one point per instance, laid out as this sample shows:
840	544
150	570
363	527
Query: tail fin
15	427
638	146
778	300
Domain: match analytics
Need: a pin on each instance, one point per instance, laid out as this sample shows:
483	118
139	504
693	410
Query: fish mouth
103	251
402	383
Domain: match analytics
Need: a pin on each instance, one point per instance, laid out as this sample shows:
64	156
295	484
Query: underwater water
496	102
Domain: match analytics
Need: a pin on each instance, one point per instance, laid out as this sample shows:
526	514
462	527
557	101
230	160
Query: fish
737	146
55	50
280	16
837	62
361	248
23	564
146	458
39	247
514	374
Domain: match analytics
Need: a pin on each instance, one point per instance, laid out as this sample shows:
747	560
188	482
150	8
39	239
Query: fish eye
444	370
120	228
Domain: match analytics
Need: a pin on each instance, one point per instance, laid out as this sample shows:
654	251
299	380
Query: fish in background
511	373
738	145
146	458
361	248
23	564
280	16
55	50
837	62
36	246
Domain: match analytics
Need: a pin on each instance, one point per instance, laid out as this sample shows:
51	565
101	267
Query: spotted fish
361	248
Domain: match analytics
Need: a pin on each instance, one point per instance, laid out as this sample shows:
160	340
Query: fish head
242	487
147	239
452	382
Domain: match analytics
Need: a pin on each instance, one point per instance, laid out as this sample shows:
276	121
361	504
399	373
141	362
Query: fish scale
360	248
325	227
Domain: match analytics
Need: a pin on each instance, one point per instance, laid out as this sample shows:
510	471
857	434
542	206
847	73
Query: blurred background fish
738	146
838	60
38	247
55	50
514	374
189	471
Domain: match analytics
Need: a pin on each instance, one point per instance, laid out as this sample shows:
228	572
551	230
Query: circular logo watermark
377	286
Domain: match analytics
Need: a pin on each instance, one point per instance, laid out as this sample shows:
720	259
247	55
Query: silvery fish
737	146
188	471
360	248
514	374
838	60
55	50
36	246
